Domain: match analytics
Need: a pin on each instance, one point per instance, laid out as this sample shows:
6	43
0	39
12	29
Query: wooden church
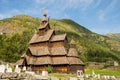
48	49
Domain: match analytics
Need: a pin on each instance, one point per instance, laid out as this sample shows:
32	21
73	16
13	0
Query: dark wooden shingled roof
38	60
74	60
19	62
37	38
60	60
58	50
72	52
43	60
43	26
39	51
60	37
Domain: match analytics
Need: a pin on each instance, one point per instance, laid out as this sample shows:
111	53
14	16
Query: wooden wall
74	68
60	69
38	68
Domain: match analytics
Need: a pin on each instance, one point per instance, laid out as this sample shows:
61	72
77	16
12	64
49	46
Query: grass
62	75
87	71
103	72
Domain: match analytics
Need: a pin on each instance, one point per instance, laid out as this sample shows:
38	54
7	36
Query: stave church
46	48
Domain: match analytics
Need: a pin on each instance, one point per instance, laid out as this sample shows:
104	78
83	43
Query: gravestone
93	73
24	68
86	76
98	76
45	73
17	69
79	73
2	68
113	77
7	66
9	70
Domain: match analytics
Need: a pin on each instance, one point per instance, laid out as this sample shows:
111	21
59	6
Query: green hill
18	30
114	36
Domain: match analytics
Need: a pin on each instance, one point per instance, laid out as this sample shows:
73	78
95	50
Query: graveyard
16	73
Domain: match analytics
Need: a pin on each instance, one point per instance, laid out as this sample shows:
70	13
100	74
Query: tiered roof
39	51
46	37
44	60
73	55
60	37
47	54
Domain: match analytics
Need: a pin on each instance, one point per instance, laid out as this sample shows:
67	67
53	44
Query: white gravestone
79	73
93	73
45	73
24	68
2	68
9	70
86	76
98	76
17	69
113	77
7	66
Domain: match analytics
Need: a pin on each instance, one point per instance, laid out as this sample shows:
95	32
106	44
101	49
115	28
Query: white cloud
101	15
63	4
76	4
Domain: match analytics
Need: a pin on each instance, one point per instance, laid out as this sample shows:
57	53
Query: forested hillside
18	30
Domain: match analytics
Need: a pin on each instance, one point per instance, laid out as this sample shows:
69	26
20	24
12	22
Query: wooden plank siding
60	69
38	68
74	68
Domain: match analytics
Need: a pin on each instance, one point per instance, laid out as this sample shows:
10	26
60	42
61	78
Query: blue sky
100	16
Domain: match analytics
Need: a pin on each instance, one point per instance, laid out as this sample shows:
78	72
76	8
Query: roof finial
44	12
44	15
72	42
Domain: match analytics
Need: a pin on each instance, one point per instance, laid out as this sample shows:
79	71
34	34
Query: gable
60	37
37	38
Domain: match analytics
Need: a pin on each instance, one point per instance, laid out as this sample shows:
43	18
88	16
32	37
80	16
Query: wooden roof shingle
43	60
39	60
58	50
39	51
72	52
37	38
43	26
74	60
60	60
19	62
60	37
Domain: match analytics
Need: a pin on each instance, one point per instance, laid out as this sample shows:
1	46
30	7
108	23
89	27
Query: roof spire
72	43
44	19
44	12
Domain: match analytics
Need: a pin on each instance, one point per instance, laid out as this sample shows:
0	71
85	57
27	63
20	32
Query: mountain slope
114	36
91	46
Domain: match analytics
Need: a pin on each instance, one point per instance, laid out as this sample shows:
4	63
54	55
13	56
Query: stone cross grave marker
2	68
